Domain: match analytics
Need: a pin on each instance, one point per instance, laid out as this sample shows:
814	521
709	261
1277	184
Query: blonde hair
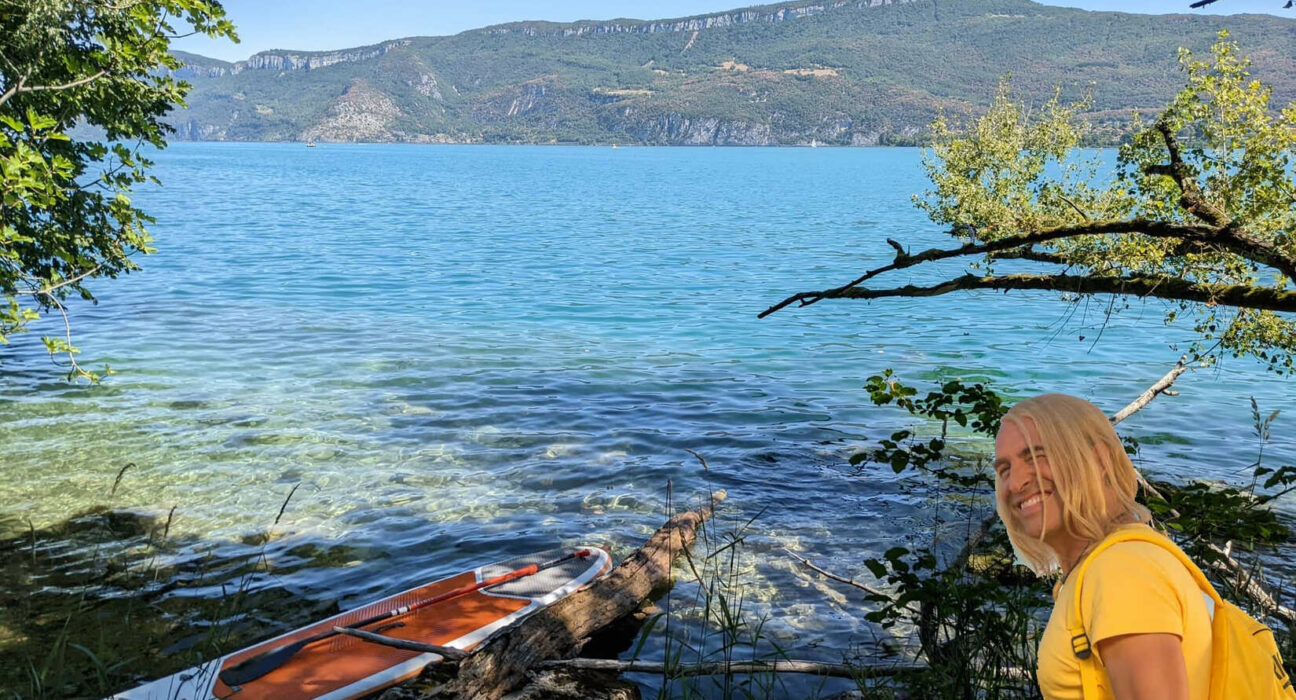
1089	466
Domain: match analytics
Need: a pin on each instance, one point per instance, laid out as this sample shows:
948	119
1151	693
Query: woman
1063	483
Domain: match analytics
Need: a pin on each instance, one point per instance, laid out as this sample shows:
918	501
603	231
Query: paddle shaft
265	662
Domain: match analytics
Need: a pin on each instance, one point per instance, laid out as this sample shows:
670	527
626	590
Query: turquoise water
466	353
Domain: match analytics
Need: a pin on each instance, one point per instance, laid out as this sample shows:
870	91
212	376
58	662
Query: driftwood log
559	631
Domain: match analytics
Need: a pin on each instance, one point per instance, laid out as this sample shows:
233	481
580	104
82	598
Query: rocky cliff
831	72
287	60
690	24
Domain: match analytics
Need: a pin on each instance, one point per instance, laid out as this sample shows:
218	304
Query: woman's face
1025	482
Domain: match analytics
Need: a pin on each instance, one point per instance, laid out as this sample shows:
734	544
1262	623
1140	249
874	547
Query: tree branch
66	86
1244	581
64	283
1161	386
13	90
1033	255
723	668
1142	286
1151	393
1229	239
70	351
446	652
842	579
1077	209
1232	237
20	88
1190	194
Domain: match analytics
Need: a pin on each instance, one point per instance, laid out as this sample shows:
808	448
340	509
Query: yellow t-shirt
1130	588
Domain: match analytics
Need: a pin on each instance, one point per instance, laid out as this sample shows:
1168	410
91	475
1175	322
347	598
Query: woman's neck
1070	549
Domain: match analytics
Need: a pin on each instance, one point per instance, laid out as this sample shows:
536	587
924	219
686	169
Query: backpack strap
1082	646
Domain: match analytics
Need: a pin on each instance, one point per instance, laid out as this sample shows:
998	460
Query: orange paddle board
341	666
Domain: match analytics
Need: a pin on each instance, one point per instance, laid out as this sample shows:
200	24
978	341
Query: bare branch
842	579
1162	386
74	280
817	668
67	334
1175	289
1244	581
20	88
447	652
13	90
1077	209
1146	397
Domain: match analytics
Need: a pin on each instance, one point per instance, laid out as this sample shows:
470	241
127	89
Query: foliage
1213	216
976	629
972	406
66	214
1206	516
998	179
978	615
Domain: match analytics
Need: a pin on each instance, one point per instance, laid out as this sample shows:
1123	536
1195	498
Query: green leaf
876	568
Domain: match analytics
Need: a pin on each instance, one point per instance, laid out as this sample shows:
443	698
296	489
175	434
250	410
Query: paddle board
343	667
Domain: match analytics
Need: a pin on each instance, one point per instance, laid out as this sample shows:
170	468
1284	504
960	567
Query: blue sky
317	25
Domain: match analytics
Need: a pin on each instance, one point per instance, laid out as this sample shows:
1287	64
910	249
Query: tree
1201	210
66	215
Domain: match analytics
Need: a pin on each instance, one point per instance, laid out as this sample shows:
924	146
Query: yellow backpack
1245	662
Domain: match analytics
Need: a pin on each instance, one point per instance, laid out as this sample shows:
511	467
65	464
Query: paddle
265	662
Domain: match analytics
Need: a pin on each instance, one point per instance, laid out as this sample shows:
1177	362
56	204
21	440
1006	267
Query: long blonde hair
1089	465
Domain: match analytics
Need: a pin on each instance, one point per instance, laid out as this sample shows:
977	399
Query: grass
78	626
87	604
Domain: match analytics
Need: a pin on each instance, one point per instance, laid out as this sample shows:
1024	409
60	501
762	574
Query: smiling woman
1063	480
1133	617
1064	485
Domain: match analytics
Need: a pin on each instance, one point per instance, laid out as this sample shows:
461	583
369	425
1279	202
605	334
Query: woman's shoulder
1139	561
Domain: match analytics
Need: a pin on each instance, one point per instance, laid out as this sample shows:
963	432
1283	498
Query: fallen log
559	631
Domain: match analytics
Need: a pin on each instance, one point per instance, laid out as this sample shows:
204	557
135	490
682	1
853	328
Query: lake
460	354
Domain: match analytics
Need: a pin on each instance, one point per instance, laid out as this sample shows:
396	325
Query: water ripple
468	353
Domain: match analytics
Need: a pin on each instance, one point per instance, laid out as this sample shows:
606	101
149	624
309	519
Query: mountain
848	72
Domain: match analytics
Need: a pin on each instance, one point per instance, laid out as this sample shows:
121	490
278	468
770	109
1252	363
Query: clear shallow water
472	352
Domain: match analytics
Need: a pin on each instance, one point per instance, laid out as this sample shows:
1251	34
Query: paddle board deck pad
346	667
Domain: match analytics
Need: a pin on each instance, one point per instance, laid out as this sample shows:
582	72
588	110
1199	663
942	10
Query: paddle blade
261	664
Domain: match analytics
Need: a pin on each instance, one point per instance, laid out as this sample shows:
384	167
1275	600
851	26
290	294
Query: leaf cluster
1225	201
974	630
66	214
968	405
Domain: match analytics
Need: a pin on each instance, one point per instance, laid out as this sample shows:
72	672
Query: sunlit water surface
467	353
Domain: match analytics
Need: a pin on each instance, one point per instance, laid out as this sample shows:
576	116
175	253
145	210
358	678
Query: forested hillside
860	72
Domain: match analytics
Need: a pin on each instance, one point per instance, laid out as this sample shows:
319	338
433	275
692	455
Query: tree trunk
559	631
